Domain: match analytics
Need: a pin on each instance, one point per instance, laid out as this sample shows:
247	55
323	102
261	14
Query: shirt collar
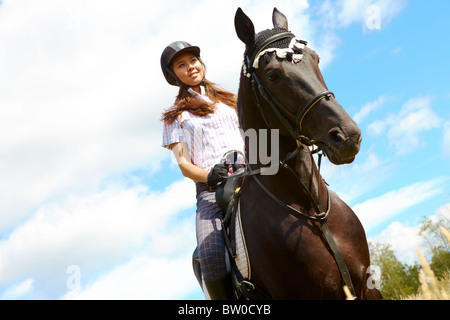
201	95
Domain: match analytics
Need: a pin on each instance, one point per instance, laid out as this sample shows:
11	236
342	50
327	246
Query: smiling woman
189	70
199	129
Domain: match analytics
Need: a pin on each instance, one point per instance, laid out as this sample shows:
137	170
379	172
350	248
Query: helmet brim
193	49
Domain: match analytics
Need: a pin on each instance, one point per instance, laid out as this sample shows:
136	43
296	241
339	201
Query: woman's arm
189	170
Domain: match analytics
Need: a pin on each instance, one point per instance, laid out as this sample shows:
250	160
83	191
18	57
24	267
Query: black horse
303	241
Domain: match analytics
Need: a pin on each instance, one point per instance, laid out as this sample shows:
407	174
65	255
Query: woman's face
188	68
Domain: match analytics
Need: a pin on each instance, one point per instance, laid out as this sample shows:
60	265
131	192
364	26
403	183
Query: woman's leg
211	245
210	241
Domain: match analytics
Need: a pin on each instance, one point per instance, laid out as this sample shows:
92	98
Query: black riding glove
217	174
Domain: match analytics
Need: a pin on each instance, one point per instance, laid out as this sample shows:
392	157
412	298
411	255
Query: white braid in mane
281	53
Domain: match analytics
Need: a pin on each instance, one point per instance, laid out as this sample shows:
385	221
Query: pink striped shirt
207	138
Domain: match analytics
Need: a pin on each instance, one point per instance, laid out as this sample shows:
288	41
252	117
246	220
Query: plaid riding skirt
210	240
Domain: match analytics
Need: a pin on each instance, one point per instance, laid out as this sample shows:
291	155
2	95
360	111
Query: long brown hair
186	102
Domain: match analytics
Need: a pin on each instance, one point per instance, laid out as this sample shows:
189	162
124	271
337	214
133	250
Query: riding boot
221	289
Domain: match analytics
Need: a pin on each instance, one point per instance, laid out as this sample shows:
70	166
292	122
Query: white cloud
404	130
444	212
341	14
353	181
143	277
377	210
19	290
404	239
77	104
98	232
397	51
368	108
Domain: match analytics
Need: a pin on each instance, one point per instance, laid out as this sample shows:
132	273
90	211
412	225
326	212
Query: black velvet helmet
172	51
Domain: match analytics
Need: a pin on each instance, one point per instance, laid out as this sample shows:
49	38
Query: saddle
237	259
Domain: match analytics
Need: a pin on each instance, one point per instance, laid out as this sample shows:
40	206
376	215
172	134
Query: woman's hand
217	174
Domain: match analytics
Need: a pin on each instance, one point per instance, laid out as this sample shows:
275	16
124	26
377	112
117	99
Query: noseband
285	116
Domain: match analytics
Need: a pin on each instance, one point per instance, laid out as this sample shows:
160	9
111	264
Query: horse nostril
337	136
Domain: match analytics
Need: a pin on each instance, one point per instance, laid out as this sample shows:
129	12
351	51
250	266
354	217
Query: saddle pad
242	259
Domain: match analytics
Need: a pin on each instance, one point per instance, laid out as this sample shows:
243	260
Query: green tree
397	280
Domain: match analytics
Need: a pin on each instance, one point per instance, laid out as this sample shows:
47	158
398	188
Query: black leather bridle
284	115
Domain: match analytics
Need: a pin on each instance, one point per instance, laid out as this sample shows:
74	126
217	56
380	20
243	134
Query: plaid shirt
207	138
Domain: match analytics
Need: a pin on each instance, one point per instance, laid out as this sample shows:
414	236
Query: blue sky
93	208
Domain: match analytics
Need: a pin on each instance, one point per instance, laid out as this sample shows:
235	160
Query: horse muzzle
342	145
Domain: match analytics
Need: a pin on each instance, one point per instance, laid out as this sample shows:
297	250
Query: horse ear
279	20
244	28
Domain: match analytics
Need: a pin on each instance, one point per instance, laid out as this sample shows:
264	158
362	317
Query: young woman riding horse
199	129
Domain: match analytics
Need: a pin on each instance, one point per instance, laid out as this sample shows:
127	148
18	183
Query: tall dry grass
431	288
446	233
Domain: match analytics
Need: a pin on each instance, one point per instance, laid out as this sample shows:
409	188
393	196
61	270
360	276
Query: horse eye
272	75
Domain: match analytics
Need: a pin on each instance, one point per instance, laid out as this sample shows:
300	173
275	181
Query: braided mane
266	34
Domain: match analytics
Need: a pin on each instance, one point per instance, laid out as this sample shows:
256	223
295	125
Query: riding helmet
172	51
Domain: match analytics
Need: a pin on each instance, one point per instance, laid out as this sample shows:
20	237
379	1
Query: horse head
290	91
